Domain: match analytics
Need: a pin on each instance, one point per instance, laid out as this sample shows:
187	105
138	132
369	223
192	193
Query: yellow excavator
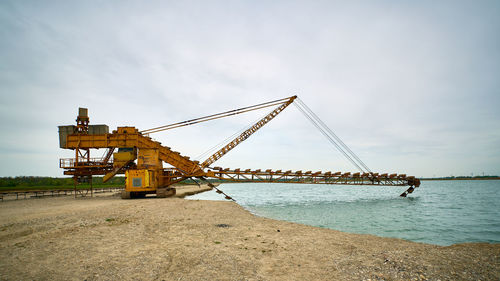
134	153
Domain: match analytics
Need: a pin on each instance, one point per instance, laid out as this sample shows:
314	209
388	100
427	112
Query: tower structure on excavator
135	154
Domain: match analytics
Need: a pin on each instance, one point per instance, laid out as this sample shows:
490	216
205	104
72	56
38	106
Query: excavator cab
139	182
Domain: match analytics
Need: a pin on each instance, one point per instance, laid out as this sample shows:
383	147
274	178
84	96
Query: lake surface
438	212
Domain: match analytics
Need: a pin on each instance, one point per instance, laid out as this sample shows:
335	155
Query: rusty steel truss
143	159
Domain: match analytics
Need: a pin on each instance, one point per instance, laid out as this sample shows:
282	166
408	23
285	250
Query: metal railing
27	194
68	163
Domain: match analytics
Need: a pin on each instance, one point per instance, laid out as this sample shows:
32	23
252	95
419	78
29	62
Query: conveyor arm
243	136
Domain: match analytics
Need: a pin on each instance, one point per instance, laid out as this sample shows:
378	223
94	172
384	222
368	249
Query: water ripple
440	212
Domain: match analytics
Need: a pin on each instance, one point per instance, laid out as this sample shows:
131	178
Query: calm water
439	212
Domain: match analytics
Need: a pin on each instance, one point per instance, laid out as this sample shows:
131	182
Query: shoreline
188	190
105	237
181	192
460	179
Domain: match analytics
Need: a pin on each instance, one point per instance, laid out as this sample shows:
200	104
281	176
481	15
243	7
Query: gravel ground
107	238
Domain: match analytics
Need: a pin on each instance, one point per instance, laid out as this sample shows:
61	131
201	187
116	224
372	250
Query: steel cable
225	141
339	148
334	135
215	116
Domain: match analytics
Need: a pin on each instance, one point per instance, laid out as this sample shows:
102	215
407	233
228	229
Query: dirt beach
107	238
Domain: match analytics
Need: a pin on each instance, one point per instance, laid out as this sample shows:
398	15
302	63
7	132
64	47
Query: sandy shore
107	238
186	190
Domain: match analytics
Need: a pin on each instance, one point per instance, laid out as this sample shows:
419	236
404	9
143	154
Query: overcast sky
411	86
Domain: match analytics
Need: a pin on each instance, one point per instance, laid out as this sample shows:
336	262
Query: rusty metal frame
82	166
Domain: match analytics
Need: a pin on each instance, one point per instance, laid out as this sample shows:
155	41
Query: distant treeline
465	178
56	182
27	181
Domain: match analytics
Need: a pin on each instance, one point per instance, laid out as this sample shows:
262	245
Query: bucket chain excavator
135	154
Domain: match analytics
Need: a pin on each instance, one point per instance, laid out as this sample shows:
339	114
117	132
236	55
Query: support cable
215	116
247	133
217	190
329	137
225	141
334	135
220	144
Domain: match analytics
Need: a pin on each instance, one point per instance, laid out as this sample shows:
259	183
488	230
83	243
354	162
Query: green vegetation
464	178
48	183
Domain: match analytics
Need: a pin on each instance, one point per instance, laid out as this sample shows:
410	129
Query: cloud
402	83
